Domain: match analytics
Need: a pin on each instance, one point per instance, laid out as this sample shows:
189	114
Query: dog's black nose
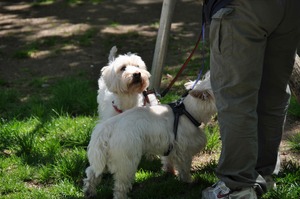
137	75
136	78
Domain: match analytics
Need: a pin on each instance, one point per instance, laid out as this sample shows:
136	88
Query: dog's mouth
138	83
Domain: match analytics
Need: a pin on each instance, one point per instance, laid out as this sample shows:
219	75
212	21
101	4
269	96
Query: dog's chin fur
138	86
117	144
122	82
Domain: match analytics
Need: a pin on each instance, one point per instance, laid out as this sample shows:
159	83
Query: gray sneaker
220	191
271	184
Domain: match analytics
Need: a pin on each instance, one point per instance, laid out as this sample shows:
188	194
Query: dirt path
56	35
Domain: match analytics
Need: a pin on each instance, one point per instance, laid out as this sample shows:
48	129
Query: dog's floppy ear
104	71
202	95
189	85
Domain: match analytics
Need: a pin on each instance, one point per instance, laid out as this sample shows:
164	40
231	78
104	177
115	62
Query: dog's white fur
121	84
118	143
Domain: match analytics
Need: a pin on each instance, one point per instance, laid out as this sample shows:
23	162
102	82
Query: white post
161	43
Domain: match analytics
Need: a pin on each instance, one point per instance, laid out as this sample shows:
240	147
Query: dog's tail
98	149
112	53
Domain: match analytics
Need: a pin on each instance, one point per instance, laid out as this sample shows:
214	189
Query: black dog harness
178	110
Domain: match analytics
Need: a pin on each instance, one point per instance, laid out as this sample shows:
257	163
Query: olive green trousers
253	45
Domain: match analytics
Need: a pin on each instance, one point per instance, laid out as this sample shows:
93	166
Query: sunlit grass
287	181
294	142
43	141
114	24
143	175
33	153
294	108
213	139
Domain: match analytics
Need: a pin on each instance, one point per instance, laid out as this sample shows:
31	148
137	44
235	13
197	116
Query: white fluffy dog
121	84
117	144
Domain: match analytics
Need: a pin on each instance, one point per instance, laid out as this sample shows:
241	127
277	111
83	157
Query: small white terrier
121	84
117	144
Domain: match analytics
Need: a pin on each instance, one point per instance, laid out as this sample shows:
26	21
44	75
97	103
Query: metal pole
161	43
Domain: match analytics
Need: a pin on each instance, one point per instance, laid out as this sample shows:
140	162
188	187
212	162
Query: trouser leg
274	94
239	40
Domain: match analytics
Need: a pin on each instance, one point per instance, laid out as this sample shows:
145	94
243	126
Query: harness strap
169	150
179	109
192	119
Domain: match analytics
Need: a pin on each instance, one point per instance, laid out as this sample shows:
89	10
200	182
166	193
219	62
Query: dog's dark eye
123	68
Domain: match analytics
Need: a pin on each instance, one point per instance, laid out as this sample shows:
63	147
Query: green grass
45	155
294	108
43	140
288	182
294	142
26	52
213	139
73	96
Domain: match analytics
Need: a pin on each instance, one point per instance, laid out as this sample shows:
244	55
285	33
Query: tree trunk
295	79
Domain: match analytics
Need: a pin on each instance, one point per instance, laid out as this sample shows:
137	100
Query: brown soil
131	25
56	33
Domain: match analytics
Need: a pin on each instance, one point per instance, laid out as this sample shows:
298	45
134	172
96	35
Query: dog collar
116	108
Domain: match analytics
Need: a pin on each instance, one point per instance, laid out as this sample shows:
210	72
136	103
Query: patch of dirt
55	34
51	41
292	127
